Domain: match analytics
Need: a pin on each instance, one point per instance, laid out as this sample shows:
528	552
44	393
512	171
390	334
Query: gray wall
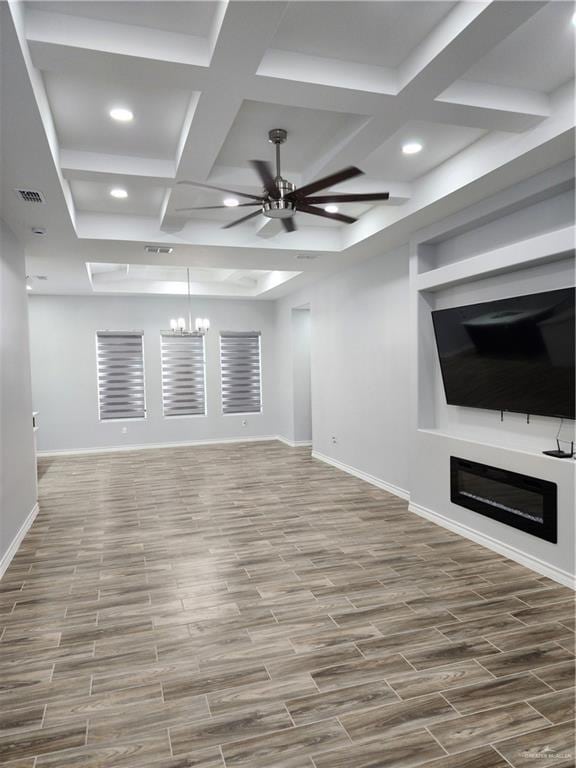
63	347
17	460
371	352
441	431
360	367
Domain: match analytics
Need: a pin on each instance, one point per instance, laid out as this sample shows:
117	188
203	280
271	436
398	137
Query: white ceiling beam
244	32
302	68
77	164
475	116
144	229
469	32
466	35
110	37
520	101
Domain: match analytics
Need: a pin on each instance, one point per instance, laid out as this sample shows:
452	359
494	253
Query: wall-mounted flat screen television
514	354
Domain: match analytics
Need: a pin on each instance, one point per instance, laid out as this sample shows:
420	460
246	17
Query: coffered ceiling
485	87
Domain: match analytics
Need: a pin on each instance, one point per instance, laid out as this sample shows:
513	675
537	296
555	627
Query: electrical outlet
124	430
334	441
244	422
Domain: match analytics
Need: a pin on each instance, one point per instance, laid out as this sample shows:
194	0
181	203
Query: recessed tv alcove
523	502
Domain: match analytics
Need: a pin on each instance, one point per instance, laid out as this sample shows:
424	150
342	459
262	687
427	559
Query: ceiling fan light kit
281	199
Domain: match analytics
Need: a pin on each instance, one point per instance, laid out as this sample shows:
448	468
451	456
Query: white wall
360	367
17	460
63	339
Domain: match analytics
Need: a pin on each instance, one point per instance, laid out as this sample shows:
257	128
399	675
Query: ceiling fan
281	199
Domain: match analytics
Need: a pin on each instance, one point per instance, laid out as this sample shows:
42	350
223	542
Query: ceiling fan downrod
277	136
275	206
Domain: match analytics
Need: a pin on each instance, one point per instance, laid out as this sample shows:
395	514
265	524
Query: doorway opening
301	371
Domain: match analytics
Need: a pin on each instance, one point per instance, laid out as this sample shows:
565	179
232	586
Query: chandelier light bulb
181	324
174	324
202	324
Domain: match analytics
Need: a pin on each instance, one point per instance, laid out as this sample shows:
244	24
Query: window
120	357
240	372
183	375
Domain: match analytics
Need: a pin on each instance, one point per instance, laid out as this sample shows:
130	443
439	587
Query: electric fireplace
523	502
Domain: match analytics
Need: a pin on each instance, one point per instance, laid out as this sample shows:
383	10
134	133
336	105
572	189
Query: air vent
307	256
30	195
158	249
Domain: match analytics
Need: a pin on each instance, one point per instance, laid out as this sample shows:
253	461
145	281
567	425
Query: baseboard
152	446
294	443
382	484
17	540
529	561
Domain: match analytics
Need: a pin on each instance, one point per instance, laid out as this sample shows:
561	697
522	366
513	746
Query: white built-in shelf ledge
486	443
520	255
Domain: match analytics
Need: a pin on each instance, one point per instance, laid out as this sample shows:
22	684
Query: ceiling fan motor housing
280	208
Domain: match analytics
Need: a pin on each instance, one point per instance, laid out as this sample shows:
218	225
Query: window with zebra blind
120	365
240	372
183	375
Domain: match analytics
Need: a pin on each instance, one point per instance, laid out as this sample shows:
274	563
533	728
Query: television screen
510	355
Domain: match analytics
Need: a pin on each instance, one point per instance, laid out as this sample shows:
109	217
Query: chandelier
181	327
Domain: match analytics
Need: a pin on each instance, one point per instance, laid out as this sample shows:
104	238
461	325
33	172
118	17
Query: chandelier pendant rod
189	300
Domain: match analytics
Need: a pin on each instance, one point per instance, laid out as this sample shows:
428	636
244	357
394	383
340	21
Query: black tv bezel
493	301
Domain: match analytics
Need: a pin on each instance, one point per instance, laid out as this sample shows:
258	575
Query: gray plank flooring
247	605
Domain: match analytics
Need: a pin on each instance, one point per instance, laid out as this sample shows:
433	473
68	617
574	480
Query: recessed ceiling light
119	193
331	208
411	148
121	114
231	202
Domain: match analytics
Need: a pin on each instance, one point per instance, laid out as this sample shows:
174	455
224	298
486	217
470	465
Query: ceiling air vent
158	249
30	195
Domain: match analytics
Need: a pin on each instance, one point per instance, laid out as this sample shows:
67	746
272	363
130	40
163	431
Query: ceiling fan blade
327	181
244	218
210	207
303	208
221	189
263	170
289	225
359	198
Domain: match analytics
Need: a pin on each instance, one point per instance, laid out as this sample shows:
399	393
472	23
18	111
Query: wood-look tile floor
248	606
